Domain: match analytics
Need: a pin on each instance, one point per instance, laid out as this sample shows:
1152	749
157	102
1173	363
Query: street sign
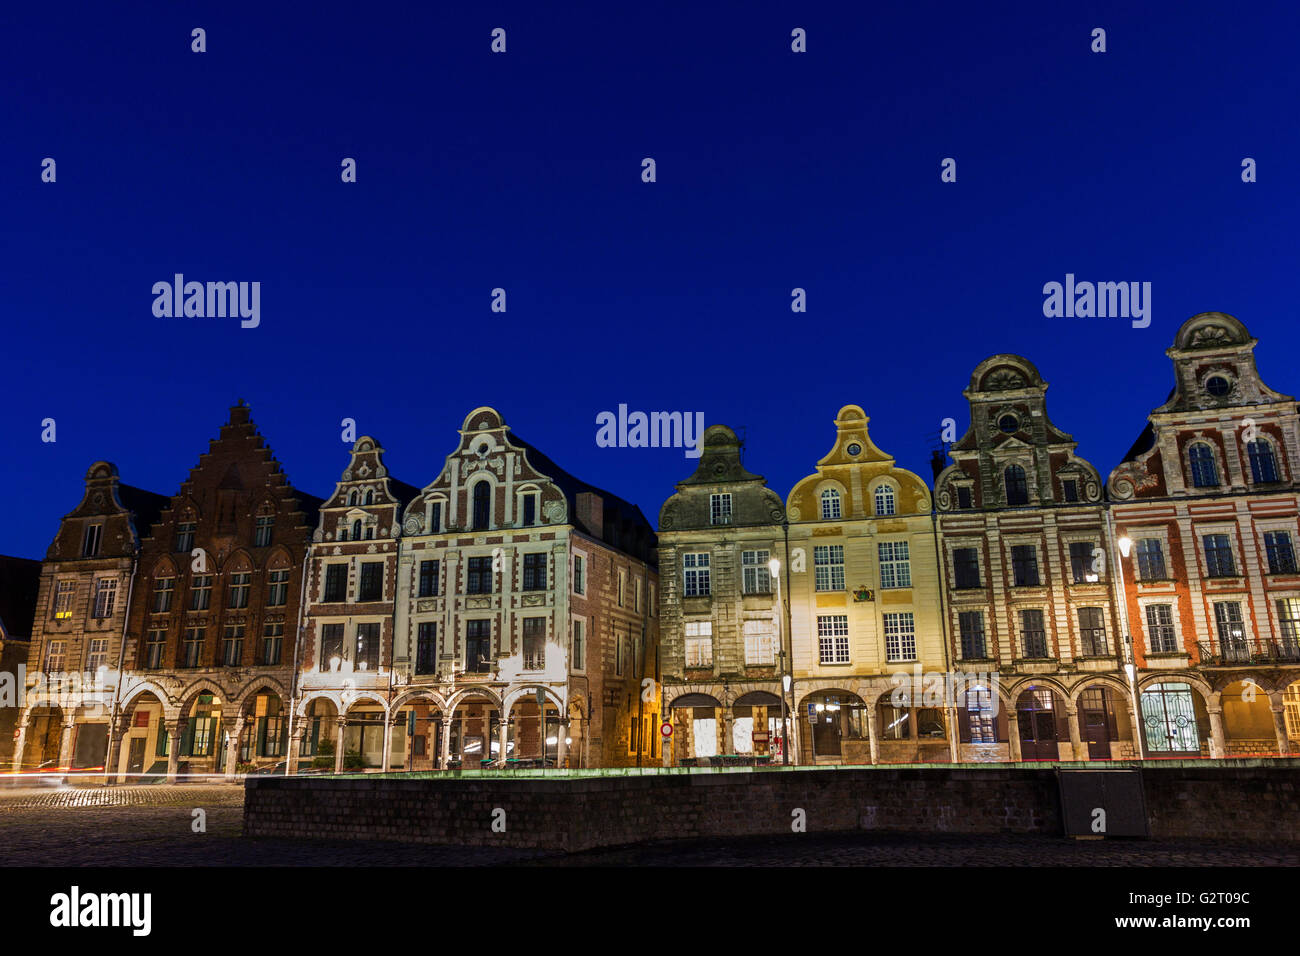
812	711
666	729
541	697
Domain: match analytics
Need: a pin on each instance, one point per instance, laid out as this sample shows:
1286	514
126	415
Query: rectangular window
163	589
1024	565
97	654
534	643
64	592
833	638
579	647
1232	633
56	653
971	625
239	587
695	574
428	579
278	593
1281	556
1218	556
1033	637
200	592
272	644
478	575
154	647
435	517
90	544
192	648
1288	617
622	582
367	658
756	576
1151	560
1081	558
699	644
331	645
579	574
371	585
262	534
636	596
336	583
900	636
232	646
895	568
535	571
828	563
105	597
426	648
185	537
618	654
530	511
478	646
760	643
1161	638
1092	632
964	499
720	509
966	567
1070	489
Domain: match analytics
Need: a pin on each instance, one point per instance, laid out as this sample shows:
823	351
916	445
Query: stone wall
1238	799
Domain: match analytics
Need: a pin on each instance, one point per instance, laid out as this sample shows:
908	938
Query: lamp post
1130	663
774	567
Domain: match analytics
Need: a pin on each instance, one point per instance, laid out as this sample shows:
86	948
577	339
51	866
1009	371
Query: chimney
590	508
938	462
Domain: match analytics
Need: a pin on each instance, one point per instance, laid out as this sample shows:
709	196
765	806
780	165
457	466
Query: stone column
873	733
1218	746
1139	730
503	734
1013	736
341	723
21	744
65	742
295	744
232	746
1279	728
953	731
174	748
444	745
562	746
116	731
1078	748
389	720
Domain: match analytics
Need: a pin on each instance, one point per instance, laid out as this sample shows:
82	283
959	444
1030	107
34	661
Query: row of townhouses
1020	606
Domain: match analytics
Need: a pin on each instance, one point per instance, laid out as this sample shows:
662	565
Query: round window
1009	424
855	448
1218	385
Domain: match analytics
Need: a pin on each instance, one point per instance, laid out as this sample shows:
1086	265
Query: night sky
476	170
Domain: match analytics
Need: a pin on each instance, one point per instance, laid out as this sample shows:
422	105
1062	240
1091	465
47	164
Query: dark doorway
1097	719
1036	712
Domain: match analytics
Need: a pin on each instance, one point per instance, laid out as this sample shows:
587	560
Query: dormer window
356	530
530	511
352	497
1070	489
964	500
482	506
370	497
884	501
1205	473
720	509
90	544
830	504
1016	487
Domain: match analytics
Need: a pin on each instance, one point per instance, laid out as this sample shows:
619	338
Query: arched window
1017	489
1205	474
830	504
482	506
370	497
352	497
356	530
884	500
1263	464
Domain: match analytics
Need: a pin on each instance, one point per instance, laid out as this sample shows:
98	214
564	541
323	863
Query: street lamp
774	567
1125	544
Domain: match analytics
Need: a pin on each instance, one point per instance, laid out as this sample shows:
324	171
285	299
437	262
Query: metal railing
1238	653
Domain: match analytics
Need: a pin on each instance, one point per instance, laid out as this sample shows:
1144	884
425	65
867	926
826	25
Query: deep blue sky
522	170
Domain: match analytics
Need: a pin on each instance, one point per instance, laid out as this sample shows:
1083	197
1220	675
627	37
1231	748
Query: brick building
19	585
721	628
1028	585
214	615
1206	502
84	594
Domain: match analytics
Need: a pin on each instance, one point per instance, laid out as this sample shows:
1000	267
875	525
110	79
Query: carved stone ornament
1211	336
413	524
555	512
1004	380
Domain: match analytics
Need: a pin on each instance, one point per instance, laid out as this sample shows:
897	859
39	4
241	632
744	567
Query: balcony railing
1238	653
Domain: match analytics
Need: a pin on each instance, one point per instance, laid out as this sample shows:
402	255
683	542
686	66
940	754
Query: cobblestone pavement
152	826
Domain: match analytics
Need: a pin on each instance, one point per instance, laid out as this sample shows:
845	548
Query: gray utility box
1102	803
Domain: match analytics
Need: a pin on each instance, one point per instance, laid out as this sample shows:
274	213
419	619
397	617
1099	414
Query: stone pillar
1279	728
873	730
116	731
444	745
1013	735
174	748
295	744
562	746
1218	746
1078	748
503	735
1139	729
389	720
341	723
232	746
953	731
65	742
23	723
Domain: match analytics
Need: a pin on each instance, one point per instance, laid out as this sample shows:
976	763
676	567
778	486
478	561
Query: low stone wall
1236	799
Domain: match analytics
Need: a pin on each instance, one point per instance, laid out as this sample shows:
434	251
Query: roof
19	581
145	506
